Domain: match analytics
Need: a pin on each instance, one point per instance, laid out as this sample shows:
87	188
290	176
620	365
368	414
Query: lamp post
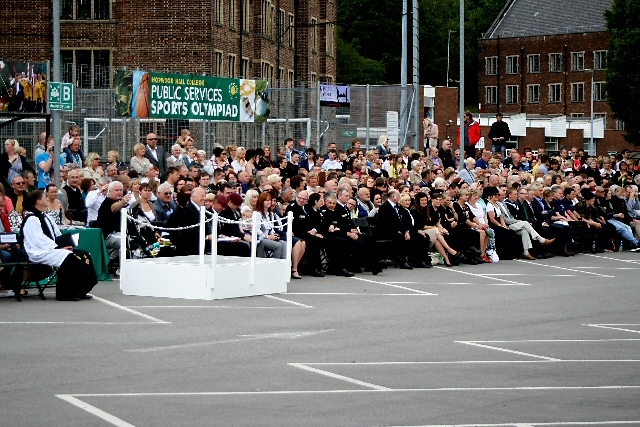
448	52
592	147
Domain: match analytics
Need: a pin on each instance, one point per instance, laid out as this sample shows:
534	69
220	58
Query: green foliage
354	68
373	29
623	75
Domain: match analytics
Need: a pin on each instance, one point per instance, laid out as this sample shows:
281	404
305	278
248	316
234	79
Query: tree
622	74
354	68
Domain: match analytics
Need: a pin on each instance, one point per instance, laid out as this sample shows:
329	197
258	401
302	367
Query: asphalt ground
549	342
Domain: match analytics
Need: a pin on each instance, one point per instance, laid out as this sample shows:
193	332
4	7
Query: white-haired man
109	221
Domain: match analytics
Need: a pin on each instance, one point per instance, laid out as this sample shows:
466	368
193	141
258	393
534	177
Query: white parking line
490	347
613	259
364	294
612	326
129	310
564	268
339	377
520	424
394	286
289	301
95	411
485	276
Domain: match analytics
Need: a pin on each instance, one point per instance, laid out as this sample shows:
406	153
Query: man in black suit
392	228
242	247
187	241
155	153
77	209
338	225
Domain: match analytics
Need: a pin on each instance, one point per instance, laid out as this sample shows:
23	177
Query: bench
27	275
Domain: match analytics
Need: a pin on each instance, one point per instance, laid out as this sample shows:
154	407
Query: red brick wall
544	45
445	109
158	35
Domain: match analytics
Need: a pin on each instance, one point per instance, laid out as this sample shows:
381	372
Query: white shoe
117	273
7	294
635	249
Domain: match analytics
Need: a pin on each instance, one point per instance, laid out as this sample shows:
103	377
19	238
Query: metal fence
293	113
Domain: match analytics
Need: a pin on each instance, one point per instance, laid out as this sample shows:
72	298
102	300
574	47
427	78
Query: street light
592	147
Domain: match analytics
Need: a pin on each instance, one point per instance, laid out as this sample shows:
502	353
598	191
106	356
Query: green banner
193	97
177	96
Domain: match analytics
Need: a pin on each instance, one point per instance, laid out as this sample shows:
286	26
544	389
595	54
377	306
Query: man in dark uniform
303	229
390	219
338	226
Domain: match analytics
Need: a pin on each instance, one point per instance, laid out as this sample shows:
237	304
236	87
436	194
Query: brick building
286	40
538	59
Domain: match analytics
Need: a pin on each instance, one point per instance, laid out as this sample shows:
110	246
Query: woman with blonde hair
139	162
135	188
239	163
90	170
251	198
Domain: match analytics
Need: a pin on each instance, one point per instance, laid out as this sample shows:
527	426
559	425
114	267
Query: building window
291	30
246	15
86	69
232	14
268	19
217	63
314	79
281	25
491	65
267	71
492	95
600	60
290	78
534	63
599	93
601	116
231	66
555	92
533	94
512	64
577	115
619	125
85	10
577	61
314	35
219	11
512	94
245	68
281	77
577	92
555	62
330	40
551	143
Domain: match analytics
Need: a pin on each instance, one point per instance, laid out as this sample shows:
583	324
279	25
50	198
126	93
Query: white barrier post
214	248
123	241
254	246
287	272
202	236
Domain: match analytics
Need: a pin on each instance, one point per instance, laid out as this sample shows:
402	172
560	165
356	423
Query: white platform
205	277
184	277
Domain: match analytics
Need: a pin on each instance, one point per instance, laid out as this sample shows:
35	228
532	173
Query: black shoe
376	270
344	272
317	273
426	264
474	250
85	296
405	266
65	298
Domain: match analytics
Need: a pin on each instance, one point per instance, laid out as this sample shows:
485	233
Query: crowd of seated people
354	210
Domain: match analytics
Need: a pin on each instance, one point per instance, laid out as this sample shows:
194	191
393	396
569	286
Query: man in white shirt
332	162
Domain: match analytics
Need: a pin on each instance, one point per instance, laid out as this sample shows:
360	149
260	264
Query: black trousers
76	275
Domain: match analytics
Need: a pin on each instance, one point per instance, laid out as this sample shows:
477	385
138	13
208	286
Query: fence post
202	236
289	245
214	249
318	118
254	246
367	120
123	241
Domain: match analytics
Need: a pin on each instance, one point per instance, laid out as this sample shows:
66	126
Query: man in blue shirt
44	165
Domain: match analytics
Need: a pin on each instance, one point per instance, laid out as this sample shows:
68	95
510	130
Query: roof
527	18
